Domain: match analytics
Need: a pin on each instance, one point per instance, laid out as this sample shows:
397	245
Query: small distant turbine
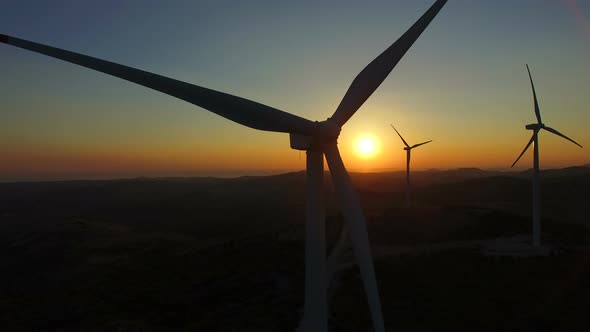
408	149
536	127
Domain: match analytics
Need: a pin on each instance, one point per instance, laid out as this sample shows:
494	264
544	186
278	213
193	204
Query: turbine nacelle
326	132
535	126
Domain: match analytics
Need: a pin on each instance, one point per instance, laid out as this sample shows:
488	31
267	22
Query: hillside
208	254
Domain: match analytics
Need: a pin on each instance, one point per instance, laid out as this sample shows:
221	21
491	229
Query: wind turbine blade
551	130
355	220
537	111
417	145
400	136
525	148
240	110
369	79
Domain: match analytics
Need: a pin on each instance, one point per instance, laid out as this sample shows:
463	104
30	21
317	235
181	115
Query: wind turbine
316	138
536	128
408	149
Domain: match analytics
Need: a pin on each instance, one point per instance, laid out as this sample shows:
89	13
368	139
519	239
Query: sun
366	147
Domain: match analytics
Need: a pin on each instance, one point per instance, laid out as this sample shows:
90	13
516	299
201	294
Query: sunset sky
463	84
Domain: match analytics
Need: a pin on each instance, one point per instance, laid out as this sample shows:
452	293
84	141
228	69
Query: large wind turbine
317	138
408	149
536	128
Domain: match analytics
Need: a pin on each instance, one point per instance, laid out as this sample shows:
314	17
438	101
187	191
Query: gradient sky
463	84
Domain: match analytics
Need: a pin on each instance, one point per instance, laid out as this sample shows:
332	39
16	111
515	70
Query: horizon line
234	174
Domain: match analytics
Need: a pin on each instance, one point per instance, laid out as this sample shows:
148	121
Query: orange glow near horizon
365	154
157	151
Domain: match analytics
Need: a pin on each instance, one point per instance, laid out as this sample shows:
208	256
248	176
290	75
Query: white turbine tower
536	128
408	149
317	138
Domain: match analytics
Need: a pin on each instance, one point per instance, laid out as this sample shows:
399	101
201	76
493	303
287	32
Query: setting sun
366	147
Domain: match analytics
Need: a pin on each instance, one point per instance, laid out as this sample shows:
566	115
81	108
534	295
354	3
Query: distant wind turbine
408	149
536	128
317	138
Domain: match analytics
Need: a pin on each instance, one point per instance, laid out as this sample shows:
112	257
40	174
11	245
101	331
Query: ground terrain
207	254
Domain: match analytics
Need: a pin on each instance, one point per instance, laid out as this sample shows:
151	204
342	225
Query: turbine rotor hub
328	129
534	126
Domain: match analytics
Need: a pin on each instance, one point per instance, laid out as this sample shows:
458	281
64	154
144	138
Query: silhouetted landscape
211	254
